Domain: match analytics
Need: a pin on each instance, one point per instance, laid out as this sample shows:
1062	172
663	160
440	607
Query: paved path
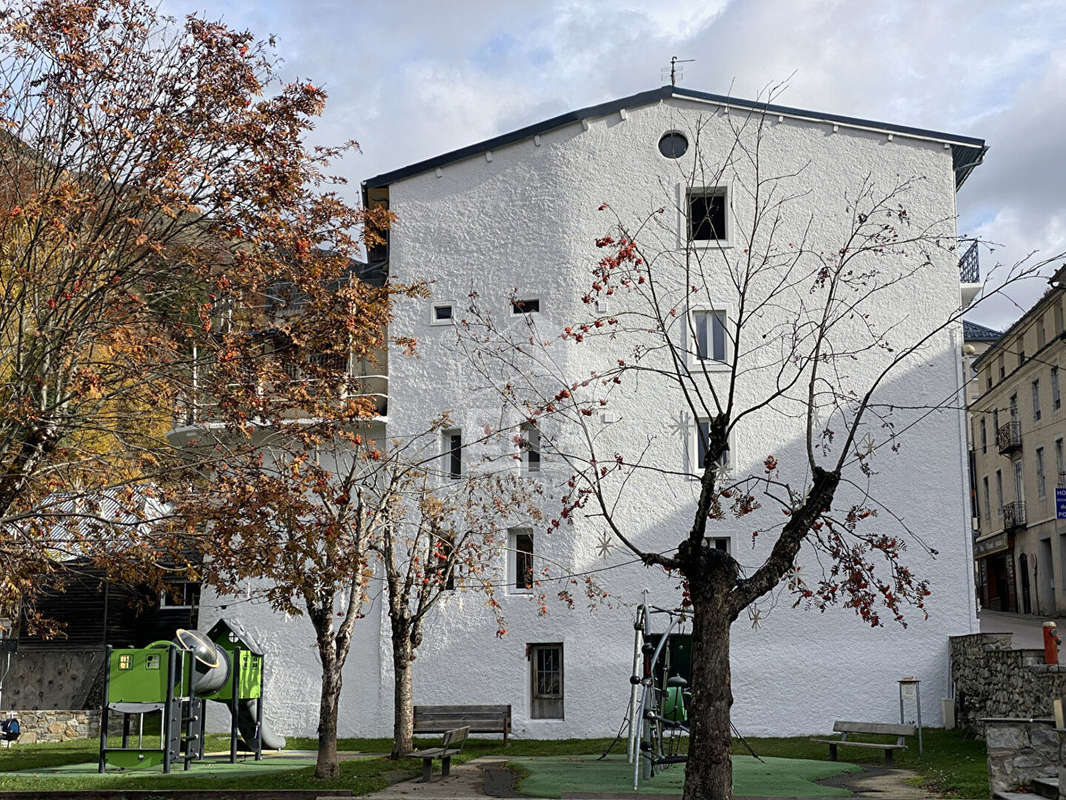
1026	629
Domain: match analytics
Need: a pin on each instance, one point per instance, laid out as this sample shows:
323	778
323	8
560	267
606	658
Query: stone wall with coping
59	725
1020	750
992	680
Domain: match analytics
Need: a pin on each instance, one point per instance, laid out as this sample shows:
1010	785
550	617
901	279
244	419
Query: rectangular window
711	336
703	434
453	453
442	313
1058	318
1002	368
530	447
1021	357
1041	478
707	215
1060	464
546	681
1013	405
520	545
723	543
999	493
530	306
180	594
984	436
1056	395
1036	399
988	380
1041	334
988	500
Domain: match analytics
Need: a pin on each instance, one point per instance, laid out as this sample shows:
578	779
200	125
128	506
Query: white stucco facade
524	217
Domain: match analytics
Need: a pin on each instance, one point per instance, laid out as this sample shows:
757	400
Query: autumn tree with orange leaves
151	172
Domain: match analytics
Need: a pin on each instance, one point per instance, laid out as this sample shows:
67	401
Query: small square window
723	543
151	662
180	594
529	306
707	215
125	661
442	313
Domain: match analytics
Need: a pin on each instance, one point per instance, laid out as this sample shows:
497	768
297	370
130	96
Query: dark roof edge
962	167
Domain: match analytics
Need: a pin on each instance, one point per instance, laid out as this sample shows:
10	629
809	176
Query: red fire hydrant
1051	643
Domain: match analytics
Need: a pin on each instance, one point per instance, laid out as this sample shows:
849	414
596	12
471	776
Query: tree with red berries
797	327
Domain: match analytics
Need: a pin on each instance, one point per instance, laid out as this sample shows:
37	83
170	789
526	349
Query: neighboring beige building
1018	428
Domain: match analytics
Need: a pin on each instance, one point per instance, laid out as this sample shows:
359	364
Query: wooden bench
451	744
479	719
872	728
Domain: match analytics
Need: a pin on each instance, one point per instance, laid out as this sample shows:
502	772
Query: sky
409	80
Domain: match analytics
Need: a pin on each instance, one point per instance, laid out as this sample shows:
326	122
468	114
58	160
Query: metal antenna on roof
675	72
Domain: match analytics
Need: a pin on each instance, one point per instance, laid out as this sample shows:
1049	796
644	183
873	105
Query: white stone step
1017	796
1046	787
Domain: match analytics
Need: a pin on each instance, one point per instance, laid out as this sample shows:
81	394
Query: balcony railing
1009	437
969	270
1014	515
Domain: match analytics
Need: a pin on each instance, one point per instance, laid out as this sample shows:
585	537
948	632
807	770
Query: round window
673	145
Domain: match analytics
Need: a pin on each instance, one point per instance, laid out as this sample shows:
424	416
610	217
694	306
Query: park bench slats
478	718
871	728
451	744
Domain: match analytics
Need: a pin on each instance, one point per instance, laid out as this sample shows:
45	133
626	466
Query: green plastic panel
137	676
250	680
135	759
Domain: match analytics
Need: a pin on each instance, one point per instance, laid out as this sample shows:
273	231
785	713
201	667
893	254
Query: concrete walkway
467	782
1027	629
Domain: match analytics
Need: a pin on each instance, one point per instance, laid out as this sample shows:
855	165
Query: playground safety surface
213	764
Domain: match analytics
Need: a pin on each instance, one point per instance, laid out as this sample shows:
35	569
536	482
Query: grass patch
952	764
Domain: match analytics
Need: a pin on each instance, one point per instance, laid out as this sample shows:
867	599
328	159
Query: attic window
531	306
442	314
673	145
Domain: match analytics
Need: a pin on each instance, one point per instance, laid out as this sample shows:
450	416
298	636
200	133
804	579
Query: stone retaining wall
992	680
56	725
1020	750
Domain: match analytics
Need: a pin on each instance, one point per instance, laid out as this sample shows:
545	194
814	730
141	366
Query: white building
519	213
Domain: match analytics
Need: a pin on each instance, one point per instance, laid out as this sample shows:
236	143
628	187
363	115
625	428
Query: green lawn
951	765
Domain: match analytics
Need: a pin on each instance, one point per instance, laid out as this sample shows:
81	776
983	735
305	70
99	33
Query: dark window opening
453	441
703	437
525	306
180	594
442	313
546	679
706	216
531	446
523	561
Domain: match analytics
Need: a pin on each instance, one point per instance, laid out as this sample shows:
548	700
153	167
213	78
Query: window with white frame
708	215
546	680
710	335
452	443
723	543
530	444
520	560
703	435
530	305
180	594
1041	479
442	314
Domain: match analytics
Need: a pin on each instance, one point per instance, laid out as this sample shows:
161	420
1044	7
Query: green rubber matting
212	765
778	777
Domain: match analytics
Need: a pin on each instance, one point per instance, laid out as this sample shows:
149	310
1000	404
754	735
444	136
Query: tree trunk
403	722
328	766
709	771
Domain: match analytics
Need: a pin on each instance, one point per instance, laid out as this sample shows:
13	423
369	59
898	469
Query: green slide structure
176	679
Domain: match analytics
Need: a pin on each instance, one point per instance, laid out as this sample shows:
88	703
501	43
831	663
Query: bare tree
802	326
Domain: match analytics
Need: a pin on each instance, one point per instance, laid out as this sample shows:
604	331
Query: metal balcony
969	270
1014	515
1009	437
